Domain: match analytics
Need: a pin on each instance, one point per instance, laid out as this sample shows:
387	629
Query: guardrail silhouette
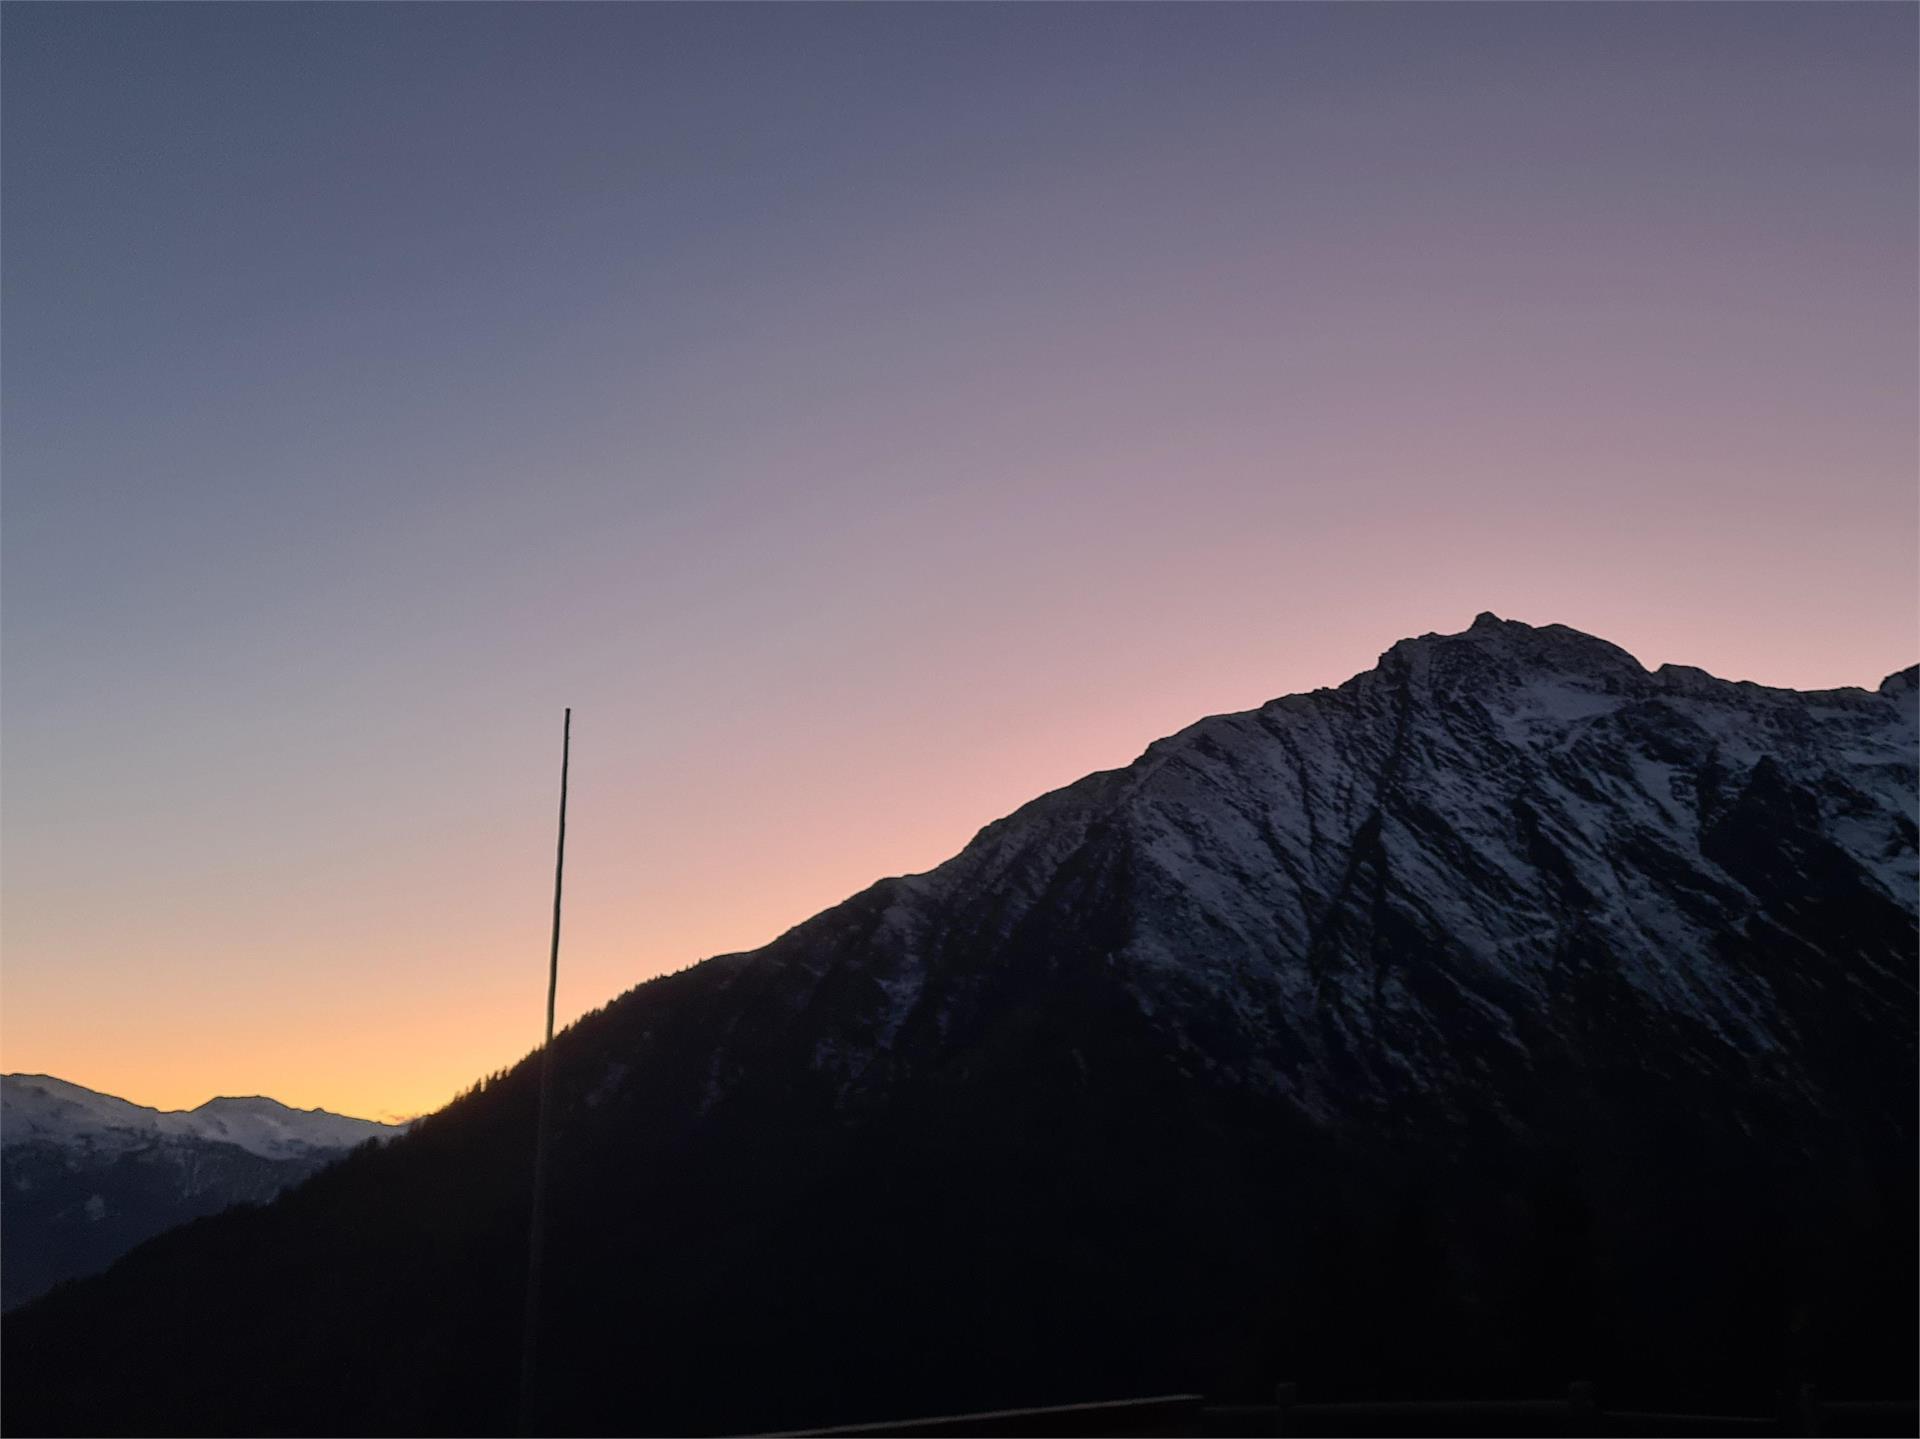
1797	1410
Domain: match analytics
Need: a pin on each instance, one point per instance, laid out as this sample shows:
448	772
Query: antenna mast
536	1236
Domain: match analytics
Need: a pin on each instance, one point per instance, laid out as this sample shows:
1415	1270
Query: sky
867	418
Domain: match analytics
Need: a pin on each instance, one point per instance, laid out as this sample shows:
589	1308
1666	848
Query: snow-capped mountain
40	1107
1505	1015
86	1176
1409	885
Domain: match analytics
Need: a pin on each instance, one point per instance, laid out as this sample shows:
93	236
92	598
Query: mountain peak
255	1103
1511	651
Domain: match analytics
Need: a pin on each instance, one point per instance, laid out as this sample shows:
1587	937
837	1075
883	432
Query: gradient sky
867	418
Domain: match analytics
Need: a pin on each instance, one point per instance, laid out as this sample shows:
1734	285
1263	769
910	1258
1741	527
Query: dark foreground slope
1506	1015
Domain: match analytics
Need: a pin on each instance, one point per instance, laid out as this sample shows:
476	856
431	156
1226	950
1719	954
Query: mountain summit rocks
1505	1015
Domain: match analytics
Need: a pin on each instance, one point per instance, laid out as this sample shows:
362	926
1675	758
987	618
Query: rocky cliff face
1506	1015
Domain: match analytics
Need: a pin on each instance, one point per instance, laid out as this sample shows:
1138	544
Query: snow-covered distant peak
268	1127
43	1108
38	1106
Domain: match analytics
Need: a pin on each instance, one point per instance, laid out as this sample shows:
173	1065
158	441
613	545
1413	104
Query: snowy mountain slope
1507	1014
1393	882
40	1107
85	1176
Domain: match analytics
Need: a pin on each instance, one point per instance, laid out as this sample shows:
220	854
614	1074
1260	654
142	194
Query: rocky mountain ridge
1478	812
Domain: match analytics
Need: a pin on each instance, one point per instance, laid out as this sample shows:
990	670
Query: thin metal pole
536	1237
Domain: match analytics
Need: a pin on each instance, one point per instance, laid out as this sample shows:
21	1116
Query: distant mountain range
1507	1015
84	1177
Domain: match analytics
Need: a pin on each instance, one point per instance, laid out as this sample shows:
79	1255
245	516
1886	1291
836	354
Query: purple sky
866	417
